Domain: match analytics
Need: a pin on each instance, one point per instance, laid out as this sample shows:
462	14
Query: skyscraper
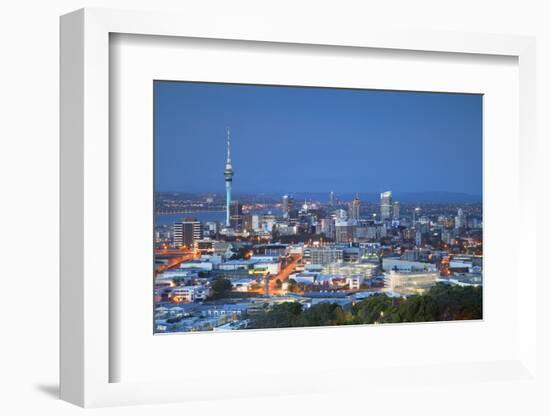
385	205
354	208
460	219
236	215
247	222
331	199
228	174
416	214
287	205
418	238
187	232
396	210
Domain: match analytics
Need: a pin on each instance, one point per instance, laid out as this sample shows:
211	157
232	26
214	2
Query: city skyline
424	161
371	196
268	249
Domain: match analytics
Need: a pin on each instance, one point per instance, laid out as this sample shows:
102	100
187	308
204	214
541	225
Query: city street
283	275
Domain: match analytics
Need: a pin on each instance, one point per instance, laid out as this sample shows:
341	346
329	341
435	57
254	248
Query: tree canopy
441	303
220	287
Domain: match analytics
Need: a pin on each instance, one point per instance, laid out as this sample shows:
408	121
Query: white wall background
29	206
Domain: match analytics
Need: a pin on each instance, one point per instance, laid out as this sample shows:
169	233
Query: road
283	275
180	256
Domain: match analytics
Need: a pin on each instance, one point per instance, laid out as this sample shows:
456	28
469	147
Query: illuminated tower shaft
228	174
227	202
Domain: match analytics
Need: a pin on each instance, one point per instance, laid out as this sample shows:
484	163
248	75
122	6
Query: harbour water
203	216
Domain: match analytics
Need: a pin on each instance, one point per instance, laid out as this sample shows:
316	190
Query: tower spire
228	145
228	174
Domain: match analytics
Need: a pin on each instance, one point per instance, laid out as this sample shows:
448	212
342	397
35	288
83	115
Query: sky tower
228	174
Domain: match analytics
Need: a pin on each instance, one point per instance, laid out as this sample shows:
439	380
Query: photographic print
288	206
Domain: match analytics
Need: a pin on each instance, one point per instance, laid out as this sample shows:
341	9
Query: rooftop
335	295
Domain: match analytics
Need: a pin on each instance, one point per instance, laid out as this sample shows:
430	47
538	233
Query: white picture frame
86	353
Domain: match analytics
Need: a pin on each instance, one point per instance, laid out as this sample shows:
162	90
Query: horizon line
319	192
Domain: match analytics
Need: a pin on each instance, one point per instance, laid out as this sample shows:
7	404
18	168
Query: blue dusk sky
293	139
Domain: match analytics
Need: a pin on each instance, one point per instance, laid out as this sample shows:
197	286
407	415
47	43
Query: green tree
418	309
375	308
280	316
220	286
322	314
441	303
293	285
457	303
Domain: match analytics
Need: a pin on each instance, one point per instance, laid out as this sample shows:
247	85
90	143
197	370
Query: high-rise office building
326	226
354	208
446	236
186	232
339	215
247	222
256	223
268	221
396	210
210	228
228	175
385	205
287	205
416	214
345	231
418	238
331	199
236	215
460	219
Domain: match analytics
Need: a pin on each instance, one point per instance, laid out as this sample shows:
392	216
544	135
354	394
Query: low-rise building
355	282
410	282
326	255
253	265
306	278
296	249
243	284
467	279
190	293
240	264
266	268
205	246
224	249
367	270
465	264
201	264
274	250
226	309
342	299
397	264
